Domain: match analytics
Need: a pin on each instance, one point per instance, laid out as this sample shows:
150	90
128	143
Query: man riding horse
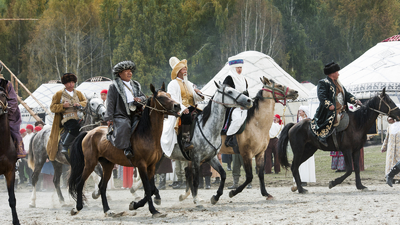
185	93
64	105
14	115
332	98
123	106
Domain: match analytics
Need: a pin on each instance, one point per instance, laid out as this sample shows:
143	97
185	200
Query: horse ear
152	89
216	84
163	86
383	92
265	80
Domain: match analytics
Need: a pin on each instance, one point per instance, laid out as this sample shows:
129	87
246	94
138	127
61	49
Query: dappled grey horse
37	156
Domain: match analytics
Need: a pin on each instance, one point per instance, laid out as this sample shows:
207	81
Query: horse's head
387	106
231	97
164	102
3	101
96	108
279	92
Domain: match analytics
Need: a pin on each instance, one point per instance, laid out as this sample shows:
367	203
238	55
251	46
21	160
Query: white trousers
238	118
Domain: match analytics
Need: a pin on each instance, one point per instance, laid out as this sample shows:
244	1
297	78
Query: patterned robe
392	145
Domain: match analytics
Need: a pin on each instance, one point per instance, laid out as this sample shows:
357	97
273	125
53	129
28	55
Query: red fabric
104	91
278	117
37	128
22	131
29	126
127	179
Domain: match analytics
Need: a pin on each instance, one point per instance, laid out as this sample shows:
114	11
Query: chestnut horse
304	143
8	154
93	146
253	141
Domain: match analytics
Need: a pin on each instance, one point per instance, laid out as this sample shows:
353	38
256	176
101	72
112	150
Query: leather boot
161	185
208	182
128	152
186	138
201	182
66	143
389	177
229	141
235	183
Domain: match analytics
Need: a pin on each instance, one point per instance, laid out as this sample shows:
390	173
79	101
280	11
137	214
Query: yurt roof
94	85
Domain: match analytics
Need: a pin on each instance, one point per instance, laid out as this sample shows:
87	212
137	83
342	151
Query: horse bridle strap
223	96
380	103
274	94
4	106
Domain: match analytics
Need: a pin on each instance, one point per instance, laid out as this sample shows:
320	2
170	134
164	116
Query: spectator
391	146
48	174
37	129
23	165
22	132
273	147
205	171
215	174
164	168
103	96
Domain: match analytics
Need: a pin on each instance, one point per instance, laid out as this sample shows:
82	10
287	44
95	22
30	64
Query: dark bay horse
8	154
94	113
304	143
92	147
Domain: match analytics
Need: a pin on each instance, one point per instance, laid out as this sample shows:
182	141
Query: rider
123	106
14	115
184	92
64	105
332	102
236	80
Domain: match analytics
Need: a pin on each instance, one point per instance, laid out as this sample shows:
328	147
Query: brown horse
253	141
8	154
93	146
304	143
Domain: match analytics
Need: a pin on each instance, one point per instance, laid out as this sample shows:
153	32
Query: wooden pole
26	89
33	114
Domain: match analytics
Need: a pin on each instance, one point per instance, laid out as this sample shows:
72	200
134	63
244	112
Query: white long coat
168	137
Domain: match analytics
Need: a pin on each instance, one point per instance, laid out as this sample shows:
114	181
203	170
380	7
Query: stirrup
188	146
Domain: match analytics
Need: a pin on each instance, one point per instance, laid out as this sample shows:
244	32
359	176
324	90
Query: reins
4	106
380	103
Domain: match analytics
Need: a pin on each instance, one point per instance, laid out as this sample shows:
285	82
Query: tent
256	65
366	76
44	93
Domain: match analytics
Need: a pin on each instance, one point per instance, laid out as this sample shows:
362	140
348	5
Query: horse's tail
282	145
31	156
77	162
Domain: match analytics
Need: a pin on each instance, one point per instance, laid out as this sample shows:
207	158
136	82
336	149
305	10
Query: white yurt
366	76
256	65
94	85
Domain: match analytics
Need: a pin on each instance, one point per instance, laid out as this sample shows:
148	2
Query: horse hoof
270	197
364	189
157	201
132	190
159	215
231	194
305	191
331	185
74	212
132	206
94	195
32	205
294	188
112	214
181	198
213	200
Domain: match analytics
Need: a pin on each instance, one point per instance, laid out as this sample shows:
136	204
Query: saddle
194	116
228	121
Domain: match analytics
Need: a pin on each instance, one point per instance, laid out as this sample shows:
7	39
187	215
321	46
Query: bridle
4	107
275	92
95	113
223	97
163	111
387	104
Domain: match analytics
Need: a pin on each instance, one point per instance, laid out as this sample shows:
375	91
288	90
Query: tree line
88	37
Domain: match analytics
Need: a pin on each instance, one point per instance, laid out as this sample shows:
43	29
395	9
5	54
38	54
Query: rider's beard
186	82
185	78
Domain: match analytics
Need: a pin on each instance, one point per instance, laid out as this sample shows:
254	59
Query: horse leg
107	170
56	180
10	178
260	168
249	175
35	177
88	169
156	192
306	153
189	183
356	163
349	169
214	162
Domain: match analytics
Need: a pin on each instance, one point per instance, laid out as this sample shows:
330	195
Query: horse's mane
207	112
250	112
144	123
364	113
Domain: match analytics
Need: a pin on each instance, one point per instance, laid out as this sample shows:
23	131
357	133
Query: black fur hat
68	77
331	68
124	65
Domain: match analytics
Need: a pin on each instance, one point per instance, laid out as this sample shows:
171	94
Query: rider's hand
137	99
383	150
331	107
110	122
358	102
186	111
77	104
66	104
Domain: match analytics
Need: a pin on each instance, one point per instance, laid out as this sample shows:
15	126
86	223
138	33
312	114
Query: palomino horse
207	139
253	141
93	146
304	143
8	154
94	113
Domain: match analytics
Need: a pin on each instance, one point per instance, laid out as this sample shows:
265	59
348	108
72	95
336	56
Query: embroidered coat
322	124
57	108
392	147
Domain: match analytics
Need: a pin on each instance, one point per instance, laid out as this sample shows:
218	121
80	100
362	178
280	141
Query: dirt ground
343	204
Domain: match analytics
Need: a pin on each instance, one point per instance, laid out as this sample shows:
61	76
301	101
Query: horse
8	154
94	113
254	139
304	143
92	147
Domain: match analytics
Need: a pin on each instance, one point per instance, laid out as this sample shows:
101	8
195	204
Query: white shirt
275	130
70	92
129	95
27	140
